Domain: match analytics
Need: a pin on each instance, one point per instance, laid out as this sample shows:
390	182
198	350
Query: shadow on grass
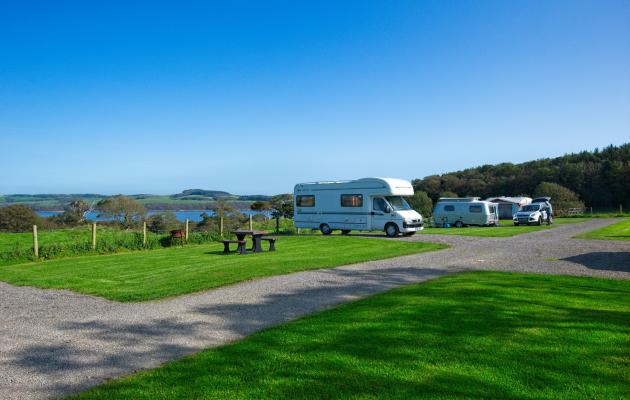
473	335
114	347
603	260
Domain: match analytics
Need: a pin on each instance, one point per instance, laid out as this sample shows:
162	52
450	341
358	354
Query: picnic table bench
240	248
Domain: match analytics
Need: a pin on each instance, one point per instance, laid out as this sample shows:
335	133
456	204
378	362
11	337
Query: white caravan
462	211
368	204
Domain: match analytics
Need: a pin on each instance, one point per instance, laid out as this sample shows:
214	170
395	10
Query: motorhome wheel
459	224
391	230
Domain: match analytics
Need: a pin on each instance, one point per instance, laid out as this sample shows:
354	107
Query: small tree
562	198
222	208
74	212
281	206
127	209
18	218
260	206
163	221
421	202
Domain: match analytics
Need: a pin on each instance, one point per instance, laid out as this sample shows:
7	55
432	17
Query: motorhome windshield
531	207
398	203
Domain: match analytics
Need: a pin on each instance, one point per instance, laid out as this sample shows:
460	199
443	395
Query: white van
462	211
368	204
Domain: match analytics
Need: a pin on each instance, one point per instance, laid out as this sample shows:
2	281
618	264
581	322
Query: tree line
599	178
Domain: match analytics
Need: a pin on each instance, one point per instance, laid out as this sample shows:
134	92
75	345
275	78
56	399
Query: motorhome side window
351	200
449	208
378	204
475	209
305	201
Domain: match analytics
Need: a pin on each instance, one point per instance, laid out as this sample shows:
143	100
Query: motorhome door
378	215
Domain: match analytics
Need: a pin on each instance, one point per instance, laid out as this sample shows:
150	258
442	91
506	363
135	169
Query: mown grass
505	229
155	274
618	231
468	336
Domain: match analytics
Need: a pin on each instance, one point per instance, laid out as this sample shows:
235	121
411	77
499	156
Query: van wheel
391	230
325	229
345	231
459	224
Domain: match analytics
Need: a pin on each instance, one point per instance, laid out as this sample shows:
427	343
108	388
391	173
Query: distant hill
190	199
601	177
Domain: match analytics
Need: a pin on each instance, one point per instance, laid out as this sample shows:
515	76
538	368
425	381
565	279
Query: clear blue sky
252	97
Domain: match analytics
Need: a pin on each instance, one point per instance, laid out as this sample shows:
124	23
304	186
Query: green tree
260	206
281	206
421	202
561	197
222	208
18	218
163	221
128	210
74	212
448	194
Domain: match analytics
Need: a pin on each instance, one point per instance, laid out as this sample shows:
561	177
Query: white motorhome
462	211
368	204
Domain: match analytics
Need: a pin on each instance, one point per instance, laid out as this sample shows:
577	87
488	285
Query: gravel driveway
53	343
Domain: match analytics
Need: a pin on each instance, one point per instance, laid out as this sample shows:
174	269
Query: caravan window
474	209
351	200
305	201
449	208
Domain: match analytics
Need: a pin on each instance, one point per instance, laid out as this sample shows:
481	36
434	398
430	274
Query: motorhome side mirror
388	209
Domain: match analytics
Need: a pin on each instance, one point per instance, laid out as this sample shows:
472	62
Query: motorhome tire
459	224
325	229
345	231
391	230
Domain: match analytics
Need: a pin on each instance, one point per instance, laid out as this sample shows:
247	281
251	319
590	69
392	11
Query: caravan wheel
325	229
459	224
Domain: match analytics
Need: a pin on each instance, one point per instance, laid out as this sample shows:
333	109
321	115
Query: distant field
618	231
146	275
505	229
465	336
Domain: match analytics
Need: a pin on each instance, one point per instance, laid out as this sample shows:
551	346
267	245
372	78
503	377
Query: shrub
18	218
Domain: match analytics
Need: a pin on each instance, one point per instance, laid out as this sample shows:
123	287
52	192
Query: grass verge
155	274
618	231
470	335
505	229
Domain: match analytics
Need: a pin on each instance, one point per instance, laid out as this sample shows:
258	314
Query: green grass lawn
146	275
482	335
505	229
618	231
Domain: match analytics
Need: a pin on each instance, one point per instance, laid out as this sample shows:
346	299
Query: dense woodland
601	178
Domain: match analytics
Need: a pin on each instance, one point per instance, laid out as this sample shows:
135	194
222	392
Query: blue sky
252	97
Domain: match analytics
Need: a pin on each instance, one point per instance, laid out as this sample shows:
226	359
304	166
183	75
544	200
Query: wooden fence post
144	233
35	243
221	225
93	235
186	231
251	224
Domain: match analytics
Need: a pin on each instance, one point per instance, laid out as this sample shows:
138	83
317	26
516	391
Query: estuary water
192	215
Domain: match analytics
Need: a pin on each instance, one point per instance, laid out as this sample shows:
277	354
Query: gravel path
53	343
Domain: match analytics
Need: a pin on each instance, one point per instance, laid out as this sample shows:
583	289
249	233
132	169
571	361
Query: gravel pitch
54	342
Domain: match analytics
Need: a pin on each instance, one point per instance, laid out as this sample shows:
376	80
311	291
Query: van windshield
398	203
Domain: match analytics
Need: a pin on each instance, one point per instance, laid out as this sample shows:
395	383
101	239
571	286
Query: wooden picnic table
256	238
